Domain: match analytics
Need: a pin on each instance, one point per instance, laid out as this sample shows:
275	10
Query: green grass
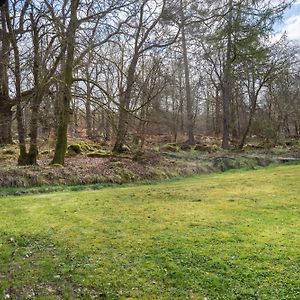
221	236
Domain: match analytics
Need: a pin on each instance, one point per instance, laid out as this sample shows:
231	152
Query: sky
291	23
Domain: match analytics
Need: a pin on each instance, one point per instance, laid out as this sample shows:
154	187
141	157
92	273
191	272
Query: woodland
118	120
130	75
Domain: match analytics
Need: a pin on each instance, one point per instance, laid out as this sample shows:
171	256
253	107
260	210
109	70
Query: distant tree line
123	69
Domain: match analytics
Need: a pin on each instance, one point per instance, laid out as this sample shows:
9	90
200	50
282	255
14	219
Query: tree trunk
64	113
296	127
22	160
189	101
123	119
5	123
37	97
227	85
88	115
17	72
33	148
5	103
122	127
62	129
217	113
252	112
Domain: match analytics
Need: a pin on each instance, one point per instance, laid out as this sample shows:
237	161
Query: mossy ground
234	235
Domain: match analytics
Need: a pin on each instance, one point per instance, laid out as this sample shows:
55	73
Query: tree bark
88	115
64	107
5	103
33	148
218	119
17	73
252	112
37	97
189	101
227	85
123	120
5	122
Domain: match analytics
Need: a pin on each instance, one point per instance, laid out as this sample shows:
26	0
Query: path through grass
220	236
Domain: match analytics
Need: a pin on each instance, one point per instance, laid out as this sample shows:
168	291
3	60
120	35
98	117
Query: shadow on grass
35	266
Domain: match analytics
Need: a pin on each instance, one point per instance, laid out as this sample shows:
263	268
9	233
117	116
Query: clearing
233	235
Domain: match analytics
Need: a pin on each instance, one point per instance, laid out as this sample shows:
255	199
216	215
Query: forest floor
88	163
233	235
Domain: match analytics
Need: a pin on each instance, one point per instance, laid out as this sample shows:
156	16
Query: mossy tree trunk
66	93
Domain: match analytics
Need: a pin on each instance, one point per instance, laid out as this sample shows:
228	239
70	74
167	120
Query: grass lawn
234	235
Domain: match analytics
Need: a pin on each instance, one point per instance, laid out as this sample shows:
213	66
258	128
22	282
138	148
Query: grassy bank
221	236
82	170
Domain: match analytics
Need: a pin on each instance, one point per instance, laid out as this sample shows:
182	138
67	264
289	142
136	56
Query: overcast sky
291	22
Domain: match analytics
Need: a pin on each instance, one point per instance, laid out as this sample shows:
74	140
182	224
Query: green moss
87	147
171	147
206	148
56	166
156	149
74	149
100	153
125	174
184	147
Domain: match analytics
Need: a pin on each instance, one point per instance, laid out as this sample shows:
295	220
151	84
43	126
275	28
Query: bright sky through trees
291	22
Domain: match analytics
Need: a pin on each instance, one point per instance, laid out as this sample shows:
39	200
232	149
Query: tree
188	93
69	61
241	38
13	39
144	39
66	87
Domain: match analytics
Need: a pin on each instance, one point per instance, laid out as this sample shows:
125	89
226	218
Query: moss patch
171	147
100	153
